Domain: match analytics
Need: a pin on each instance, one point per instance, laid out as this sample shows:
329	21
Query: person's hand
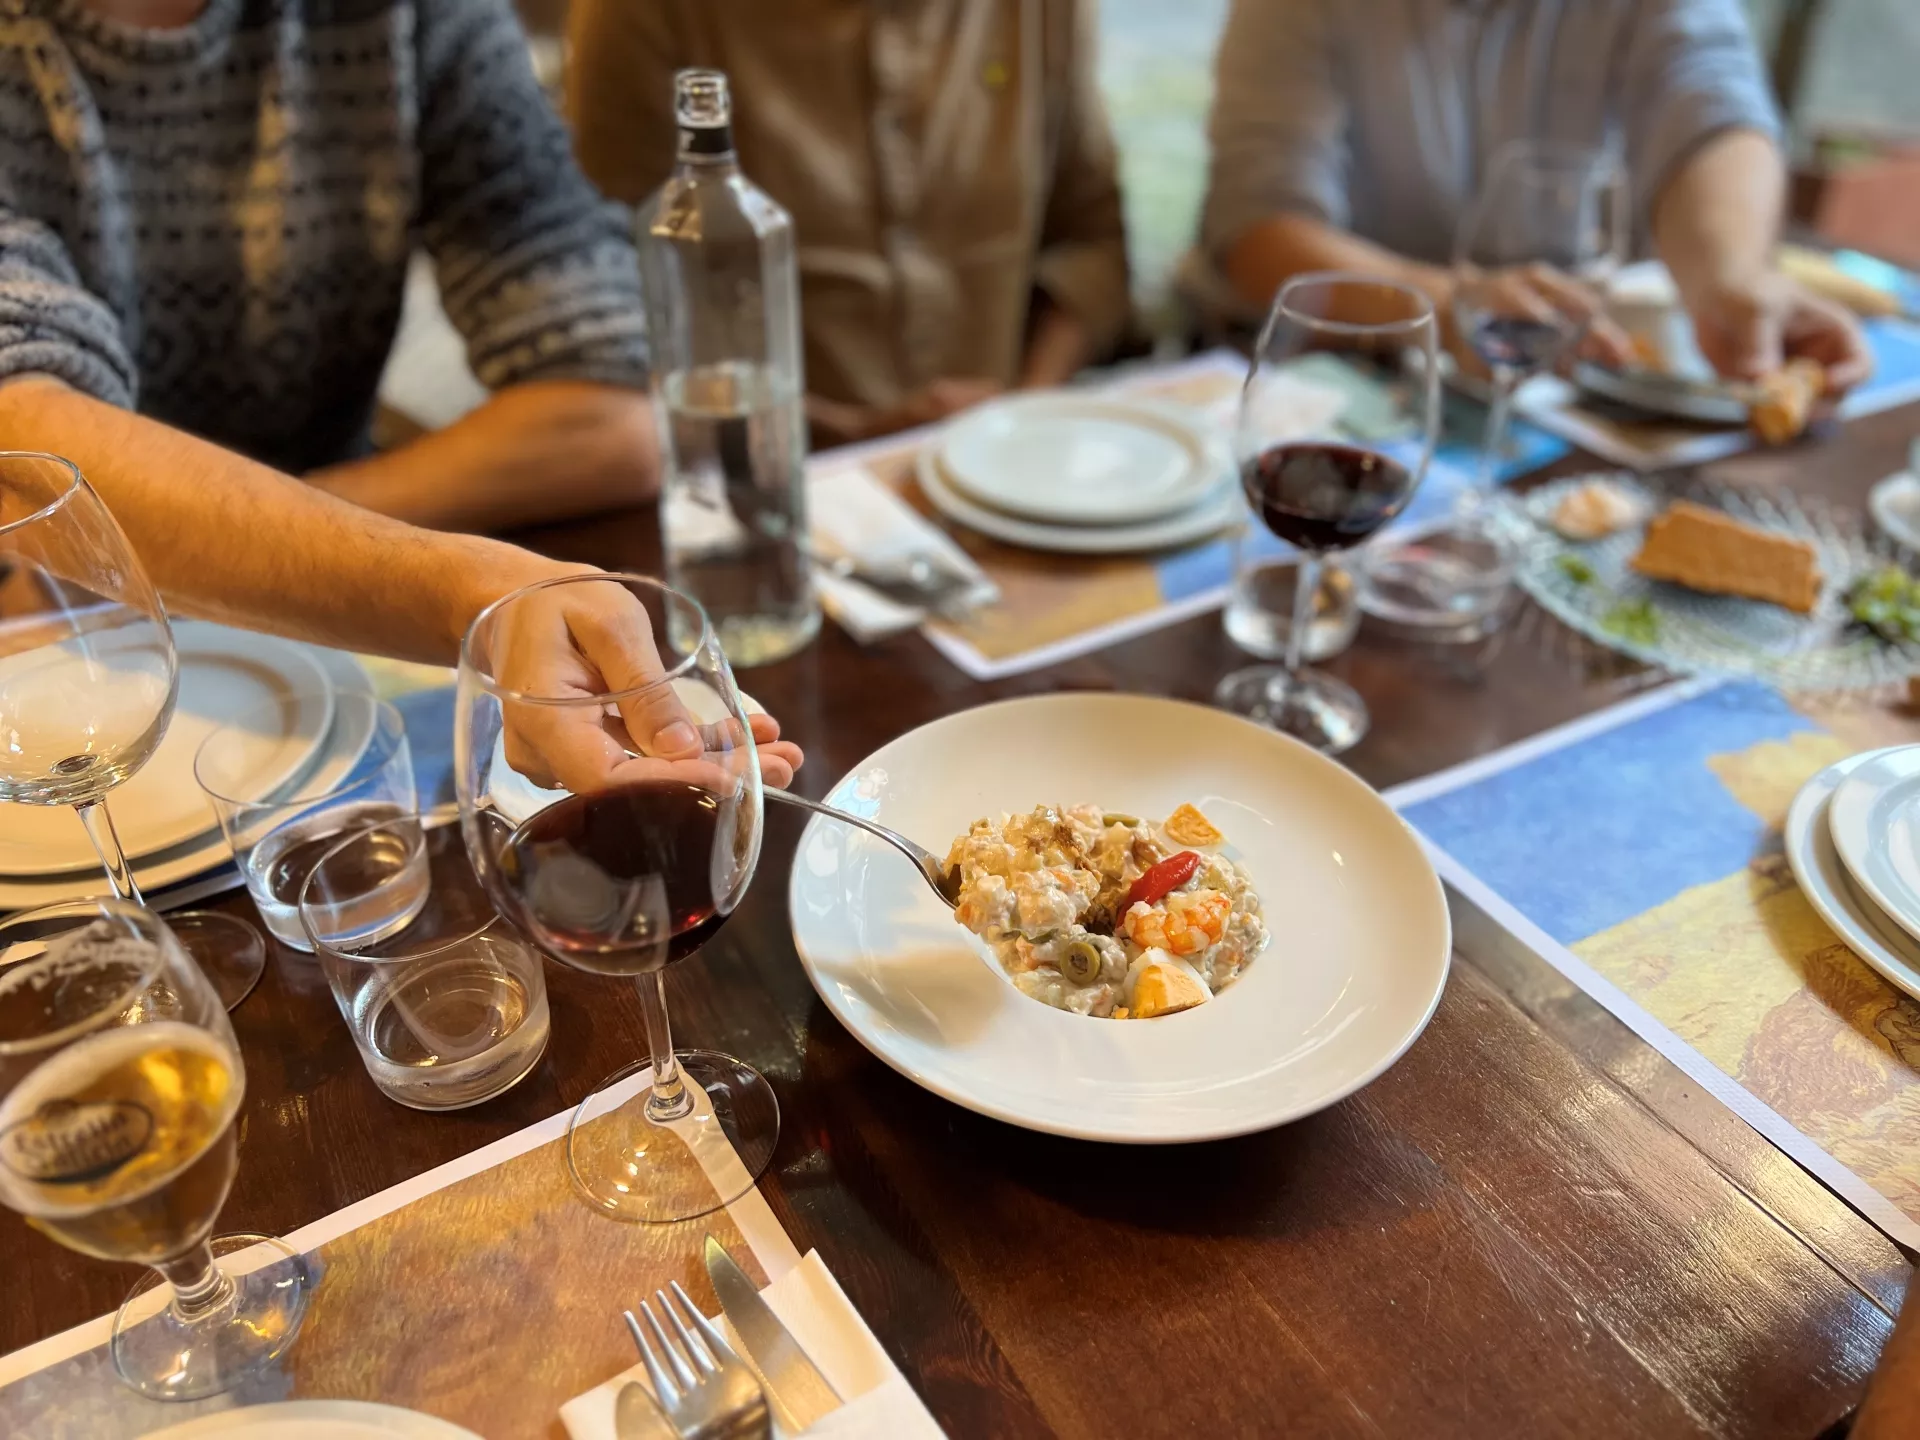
838	424
586	640
1750	328
1532	292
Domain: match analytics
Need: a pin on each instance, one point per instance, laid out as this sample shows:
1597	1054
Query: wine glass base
228	950
1312	707
629	1167
166	1358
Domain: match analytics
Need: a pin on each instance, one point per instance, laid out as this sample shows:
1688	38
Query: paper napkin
853	514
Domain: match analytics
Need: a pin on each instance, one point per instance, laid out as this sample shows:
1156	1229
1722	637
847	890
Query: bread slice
1706	550
1781	410
1163	989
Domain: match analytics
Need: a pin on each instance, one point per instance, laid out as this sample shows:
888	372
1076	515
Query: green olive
1039	937
1127	820
1080	962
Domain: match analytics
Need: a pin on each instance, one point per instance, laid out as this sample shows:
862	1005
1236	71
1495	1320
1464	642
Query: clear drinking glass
1327	489
628	873
120	1088
1530	260
277	833
448	1007
88	676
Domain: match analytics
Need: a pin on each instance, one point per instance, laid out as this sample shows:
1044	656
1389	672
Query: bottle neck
707	145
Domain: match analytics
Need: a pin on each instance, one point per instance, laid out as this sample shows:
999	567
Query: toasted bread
1187	826
1785	403
1163	989
1706	550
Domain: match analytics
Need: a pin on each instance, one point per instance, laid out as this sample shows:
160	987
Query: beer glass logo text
70	1142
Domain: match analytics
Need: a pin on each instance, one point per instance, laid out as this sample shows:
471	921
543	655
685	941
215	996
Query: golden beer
122	1146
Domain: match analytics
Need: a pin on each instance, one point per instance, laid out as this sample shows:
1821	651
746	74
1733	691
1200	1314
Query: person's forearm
1272	252
1057	350
227	539
542	451
1893	1397
1716	219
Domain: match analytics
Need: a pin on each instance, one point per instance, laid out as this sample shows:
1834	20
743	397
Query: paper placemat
1055	607
1683	918
483	1292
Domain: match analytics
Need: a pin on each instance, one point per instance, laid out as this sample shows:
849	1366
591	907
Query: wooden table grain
1533	1224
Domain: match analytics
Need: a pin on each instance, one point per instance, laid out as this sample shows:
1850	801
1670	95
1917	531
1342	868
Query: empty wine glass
1326	481
633	871
88	675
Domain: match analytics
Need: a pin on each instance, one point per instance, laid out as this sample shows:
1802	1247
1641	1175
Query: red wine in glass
1322	496
1516	342
622	881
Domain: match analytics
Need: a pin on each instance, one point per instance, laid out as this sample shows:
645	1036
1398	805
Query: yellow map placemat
1682	915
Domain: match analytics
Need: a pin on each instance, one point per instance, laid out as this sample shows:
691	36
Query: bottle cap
700	99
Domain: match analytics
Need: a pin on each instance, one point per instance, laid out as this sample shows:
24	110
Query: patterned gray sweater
213	223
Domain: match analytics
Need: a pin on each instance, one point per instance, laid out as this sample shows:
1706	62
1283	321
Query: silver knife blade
793	1383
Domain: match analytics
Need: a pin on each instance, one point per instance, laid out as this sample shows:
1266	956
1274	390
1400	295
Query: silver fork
706	1390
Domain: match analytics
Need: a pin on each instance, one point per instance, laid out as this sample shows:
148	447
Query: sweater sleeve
51	324
536	269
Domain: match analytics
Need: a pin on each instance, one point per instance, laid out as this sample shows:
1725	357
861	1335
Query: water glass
1266	585
448	1007
278	828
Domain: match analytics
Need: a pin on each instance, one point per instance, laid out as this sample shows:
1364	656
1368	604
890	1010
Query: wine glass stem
1494	443
200	1287
93	814
1306	597
670	1098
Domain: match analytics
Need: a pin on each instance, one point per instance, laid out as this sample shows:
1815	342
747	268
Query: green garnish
1887	602
1575	569
1635	621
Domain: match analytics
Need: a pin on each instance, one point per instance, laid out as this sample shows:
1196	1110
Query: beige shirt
942	160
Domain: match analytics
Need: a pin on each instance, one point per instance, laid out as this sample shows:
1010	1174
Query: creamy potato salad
1103	914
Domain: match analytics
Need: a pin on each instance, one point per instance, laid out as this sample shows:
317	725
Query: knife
797	1391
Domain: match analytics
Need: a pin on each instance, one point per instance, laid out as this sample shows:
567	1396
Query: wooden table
1532	1225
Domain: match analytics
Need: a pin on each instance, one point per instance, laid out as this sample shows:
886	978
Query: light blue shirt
1380	116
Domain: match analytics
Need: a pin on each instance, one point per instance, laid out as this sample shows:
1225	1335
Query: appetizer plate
1895	506
1866	929
208	850
1221	509
1643	300
222	673
1360	933
1083	459
317	1420
1593	587
1874	818
1678	397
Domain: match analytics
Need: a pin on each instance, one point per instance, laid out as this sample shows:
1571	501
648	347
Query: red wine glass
1325	478
619	863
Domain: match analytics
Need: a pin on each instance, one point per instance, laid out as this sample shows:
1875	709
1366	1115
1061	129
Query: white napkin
881	1404
853	514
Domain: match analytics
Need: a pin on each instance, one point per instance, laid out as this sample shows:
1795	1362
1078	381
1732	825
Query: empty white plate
1360	933
208	850
1220	511
223	672
1874	818
1866	929
1078	459
317	1420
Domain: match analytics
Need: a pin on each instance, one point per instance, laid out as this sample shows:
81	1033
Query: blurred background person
1354	136
948	165
207	210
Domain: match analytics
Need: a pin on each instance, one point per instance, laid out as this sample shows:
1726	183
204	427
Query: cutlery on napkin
851	513
810	1303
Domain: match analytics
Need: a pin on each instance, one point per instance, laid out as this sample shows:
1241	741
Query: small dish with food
1099	913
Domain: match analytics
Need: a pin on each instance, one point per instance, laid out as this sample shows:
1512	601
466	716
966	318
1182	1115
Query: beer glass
120	1086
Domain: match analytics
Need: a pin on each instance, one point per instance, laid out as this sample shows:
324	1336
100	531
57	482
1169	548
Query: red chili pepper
1169	875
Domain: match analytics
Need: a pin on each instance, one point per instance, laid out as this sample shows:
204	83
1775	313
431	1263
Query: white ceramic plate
223	673
1222	508
1895	505
1866	929
517	797
1080	459
1874	818
1360	933
208	850
317	1420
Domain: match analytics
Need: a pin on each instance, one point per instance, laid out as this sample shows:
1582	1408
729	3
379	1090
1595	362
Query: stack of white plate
1083	474
164	821
1853	839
